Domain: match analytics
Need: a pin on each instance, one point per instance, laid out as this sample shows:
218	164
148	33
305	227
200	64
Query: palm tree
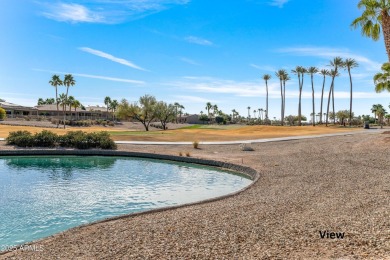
381	112
281	74
381	79
335	63
286	77
266	77
76	104
107	102
215	110
208	107
374	18
62	100
249	115
114	105
181	107
300	72
312	71
350	64
176	105
68	81
254	113
375	108
55	82
324	73
70	102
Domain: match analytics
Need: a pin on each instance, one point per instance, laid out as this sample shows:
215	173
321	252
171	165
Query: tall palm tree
312	71
208	107
107	102
286	77
181	107
114	105
249	115
381	112
350	64
300	72
335	63
62	100
266	77
215	110
254	114
374	18
76	104
55	82
281	74
381	79
69	103
324	73
69	81
233	114
176	105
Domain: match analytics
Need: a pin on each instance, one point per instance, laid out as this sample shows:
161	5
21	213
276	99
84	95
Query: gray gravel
335	184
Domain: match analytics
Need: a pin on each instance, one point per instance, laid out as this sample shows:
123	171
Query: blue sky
186	51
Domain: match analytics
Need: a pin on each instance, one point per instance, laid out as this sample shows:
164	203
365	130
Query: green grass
192	127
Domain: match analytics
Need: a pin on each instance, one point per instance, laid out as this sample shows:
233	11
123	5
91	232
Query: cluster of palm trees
111	105
215	109
63	98
300	71
179	110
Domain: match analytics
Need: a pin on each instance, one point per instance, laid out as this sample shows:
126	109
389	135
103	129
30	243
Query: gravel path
330	184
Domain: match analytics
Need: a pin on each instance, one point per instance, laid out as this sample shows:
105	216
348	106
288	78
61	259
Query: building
90	112
17	111
189	119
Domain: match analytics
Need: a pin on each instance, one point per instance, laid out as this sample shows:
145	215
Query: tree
266	77
181	107
381	112
69	103
55	82
312	71
374	18
375	108
342	115
350	64
62	100
335	63
324	73
204	118
208	107
3	113
165	113
381	79
144	111
107	102
300	72
76	104
114	105
281	74
69	81
249	115
41	102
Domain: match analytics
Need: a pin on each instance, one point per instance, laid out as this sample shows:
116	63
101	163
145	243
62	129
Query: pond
41	196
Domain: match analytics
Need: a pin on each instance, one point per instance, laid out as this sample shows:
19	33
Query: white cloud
111	58
189	61
330	53
197	40
104	11
278	3
137	82
73	13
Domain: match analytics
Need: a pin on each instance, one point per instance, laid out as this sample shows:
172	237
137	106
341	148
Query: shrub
180	154
73	139
3	113
195	144
188	154
45	139
20	138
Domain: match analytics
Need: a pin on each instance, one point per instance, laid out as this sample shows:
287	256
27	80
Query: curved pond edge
241	169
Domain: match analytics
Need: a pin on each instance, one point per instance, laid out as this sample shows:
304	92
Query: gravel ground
334	184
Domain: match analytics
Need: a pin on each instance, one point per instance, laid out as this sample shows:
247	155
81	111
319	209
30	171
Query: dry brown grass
210	134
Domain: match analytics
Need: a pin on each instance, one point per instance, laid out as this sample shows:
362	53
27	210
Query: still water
41	196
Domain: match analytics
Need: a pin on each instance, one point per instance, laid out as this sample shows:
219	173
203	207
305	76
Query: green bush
3	113
73	139
45	139
20	138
